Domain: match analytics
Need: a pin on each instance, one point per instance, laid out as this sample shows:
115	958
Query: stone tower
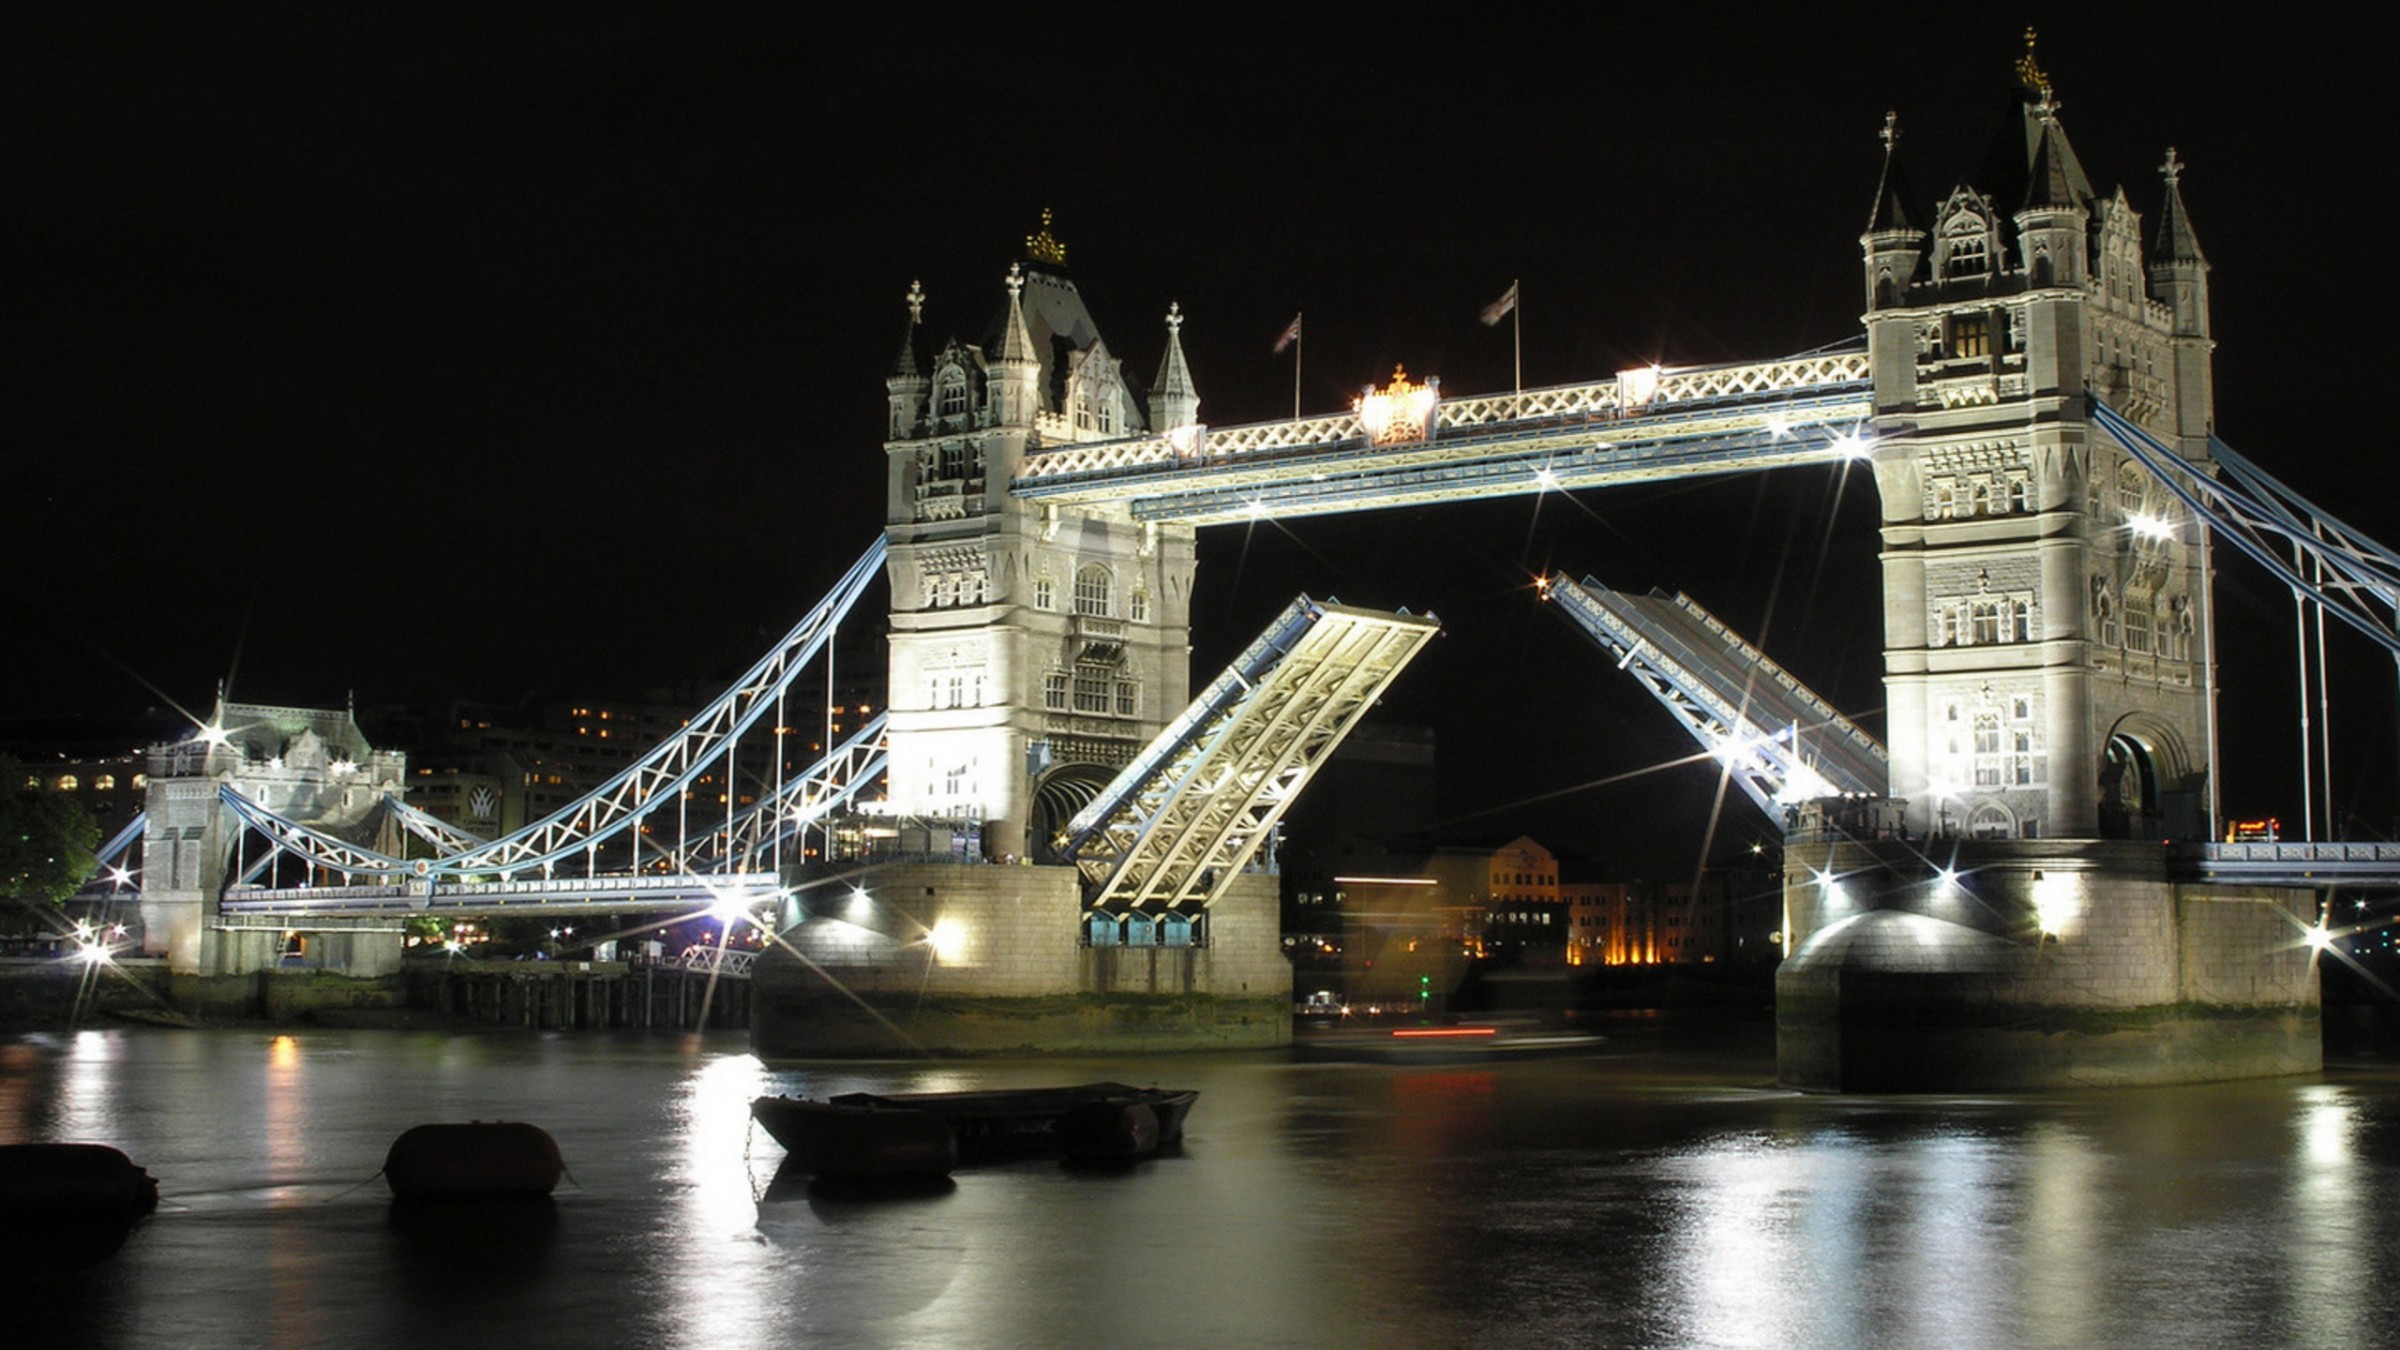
1035	649
2046	625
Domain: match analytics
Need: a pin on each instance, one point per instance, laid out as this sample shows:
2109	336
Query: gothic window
1985	615
1045	594
954	460
1969	256
1979	495
2130	490
1128	703
1971	334
1054	691
2020	493
957	692
2137	624
1091	689
1092	586
1964	243
1140	610
1945	498
950	395
1988	768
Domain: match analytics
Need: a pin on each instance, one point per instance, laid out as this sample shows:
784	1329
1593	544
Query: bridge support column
2005	965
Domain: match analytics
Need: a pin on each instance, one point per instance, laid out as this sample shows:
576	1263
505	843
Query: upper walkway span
1639	425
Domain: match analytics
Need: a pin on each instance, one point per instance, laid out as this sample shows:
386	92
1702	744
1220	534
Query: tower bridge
2033	392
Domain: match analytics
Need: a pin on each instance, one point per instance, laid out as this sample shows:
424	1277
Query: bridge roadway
2324	864
1637	426
558	895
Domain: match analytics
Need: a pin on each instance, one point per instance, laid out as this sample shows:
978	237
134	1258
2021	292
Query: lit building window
1092	586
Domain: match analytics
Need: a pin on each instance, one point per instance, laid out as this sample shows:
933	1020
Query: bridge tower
1034	647
310	765
2048	670
2046	613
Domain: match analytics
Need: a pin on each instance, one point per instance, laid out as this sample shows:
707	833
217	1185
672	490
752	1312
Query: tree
46	839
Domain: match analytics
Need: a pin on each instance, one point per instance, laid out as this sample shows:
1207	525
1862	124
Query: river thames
1660	1193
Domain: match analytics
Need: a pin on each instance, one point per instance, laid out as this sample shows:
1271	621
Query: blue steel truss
1178	823
2271	525
1778	740
653	783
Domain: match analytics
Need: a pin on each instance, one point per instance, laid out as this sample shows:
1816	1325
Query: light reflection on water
1645	1197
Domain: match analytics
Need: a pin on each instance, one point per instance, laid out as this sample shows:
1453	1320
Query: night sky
430	358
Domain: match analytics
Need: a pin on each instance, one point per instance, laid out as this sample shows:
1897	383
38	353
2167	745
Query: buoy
478	1159
68	1205
73	1181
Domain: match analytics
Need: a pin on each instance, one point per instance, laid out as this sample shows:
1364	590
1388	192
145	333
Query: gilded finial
916	302
2029	71
1891	130
1043	246
1175	310
1016	280
2172	170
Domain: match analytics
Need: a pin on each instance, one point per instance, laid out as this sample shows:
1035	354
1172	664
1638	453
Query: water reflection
1650	1197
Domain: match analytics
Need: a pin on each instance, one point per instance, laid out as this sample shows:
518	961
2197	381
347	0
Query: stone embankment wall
1984	965
987	960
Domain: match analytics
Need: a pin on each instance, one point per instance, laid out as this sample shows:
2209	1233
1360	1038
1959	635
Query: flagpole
1299	351
1516	314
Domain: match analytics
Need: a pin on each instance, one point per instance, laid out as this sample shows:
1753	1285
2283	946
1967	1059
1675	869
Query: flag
1291	335
1499	309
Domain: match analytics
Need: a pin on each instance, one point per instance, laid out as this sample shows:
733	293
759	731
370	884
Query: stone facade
2045	601
1028	642
968	959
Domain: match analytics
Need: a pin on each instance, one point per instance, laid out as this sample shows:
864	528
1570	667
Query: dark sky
488	354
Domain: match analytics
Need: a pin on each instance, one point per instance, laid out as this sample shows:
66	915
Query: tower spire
2176	242
1174	399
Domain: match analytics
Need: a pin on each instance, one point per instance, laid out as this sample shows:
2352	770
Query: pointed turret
1174	399
2052	219
908	381
2179	280
1894	241
2176	242
1894	247
1016	372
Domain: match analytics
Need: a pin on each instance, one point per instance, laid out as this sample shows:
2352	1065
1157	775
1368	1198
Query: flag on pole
1291	334
1499	309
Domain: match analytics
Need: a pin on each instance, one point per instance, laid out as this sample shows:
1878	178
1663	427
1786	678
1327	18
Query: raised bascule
1980	899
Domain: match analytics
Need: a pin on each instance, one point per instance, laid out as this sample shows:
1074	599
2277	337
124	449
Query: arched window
950	395
1092	586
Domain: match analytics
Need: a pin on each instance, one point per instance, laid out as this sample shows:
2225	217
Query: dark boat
872	1136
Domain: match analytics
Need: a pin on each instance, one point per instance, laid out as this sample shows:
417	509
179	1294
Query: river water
1660	1193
